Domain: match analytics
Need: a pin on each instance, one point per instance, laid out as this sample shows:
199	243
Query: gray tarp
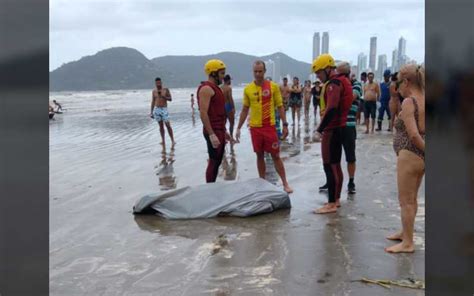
242	199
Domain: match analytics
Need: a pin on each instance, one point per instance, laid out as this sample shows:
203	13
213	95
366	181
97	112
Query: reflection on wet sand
193	117
229	165
165	173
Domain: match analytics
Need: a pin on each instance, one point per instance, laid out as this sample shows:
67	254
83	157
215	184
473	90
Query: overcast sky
157	28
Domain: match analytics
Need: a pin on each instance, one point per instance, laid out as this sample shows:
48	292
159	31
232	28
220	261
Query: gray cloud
80	28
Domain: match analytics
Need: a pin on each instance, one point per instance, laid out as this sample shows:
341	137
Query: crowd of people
341	100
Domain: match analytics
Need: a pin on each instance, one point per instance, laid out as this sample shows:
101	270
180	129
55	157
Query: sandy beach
105	154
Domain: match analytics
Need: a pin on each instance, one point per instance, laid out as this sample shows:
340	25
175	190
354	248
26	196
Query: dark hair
284	78
227	78
192	94
260	62
157	79
371	73
394	76
296	78
363	74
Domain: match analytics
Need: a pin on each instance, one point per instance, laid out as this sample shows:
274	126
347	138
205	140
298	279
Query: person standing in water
229	103
260	98
307	97
192	102
295	99
315	92
285	93
159	109
211	102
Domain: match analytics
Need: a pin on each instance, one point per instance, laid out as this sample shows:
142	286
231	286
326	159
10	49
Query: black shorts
370	108
349	135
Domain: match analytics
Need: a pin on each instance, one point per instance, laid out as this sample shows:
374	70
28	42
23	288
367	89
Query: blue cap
387	73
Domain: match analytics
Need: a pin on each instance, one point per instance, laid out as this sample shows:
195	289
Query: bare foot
400	248
326	209
366	132
288	189
396	236
338	203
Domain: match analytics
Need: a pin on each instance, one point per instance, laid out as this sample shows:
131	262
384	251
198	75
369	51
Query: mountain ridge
127	68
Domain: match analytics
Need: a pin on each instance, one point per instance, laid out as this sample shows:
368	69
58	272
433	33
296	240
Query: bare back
227	91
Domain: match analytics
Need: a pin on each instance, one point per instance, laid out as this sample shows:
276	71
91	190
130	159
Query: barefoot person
338	97
295	99
285	93
307	97
315	92
192	102
395	103
159	109
229	103
260	97
384	102
371	96
363	81
211	102
409	145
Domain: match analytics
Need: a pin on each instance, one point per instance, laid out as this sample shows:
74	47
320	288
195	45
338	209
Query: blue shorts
228	108
161	114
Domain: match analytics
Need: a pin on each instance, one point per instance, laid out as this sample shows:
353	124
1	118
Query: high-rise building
395	60
402	44
316	45
373	53
382	63
355	70
361	63
325	45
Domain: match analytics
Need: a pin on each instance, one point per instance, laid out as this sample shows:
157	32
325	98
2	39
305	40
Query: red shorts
265	139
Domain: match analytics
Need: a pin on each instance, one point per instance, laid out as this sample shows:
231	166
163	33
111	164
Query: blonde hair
413	73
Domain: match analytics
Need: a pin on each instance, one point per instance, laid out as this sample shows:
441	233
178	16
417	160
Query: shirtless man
159	109
285	93
371	96
307	97
295	99
229	103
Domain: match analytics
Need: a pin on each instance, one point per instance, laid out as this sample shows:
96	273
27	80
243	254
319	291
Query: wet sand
104	155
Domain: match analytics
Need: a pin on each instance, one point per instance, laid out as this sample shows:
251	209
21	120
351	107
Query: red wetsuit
217	118
338	98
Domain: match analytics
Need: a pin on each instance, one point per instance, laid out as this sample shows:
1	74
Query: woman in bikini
409	145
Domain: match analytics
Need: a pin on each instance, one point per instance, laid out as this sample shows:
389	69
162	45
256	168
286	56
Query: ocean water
106	134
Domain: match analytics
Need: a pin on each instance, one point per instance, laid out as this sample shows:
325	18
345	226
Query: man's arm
377	91
205	95
333	92
152	102
167	95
